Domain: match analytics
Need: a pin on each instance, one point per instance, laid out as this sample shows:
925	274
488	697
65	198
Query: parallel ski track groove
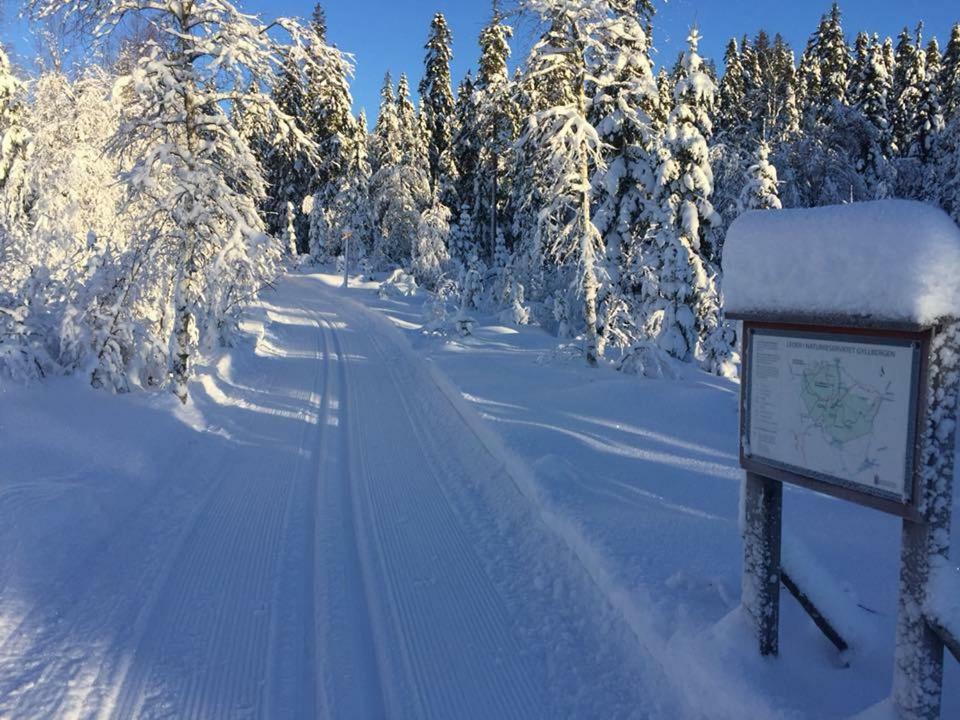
519	688
482	612
279	658
87	577
242	510
356	561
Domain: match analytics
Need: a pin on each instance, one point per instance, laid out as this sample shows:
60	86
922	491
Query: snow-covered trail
328	537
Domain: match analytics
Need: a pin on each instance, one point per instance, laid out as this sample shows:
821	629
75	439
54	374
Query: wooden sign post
818	401
853	395
918	675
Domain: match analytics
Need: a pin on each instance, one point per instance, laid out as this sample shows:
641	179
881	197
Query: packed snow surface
894	260
358	516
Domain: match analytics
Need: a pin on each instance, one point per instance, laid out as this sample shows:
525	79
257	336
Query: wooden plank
949	640
819	619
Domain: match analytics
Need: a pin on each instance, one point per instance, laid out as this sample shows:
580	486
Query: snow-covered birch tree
566	146
203	182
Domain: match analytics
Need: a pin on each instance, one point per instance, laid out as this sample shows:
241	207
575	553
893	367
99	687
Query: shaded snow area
356	518
889	259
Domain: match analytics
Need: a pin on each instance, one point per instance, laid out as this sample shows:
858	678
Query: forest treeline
145	200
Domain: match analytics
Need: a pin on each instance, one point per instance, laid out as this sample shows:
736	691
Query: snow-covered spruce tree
464	236
929	112
950	75
833	55
753	58
497	124
943	178
944	181
908	80
683	309
349	213
203	181
548	80
732	112
623	107
327	104
858	65
874	86
437	109
566	146
760	192
808	84
430	254
400	185
288	171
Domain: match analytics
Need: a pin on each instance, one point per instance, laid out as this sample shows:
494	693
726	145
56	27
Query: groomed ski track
338	540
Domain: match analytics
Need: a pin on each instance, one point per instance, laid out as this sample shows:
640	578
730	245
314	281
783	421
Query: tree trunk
587	250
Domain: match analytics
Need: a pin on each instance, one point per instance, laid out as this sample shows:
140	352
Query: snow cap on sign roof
889	260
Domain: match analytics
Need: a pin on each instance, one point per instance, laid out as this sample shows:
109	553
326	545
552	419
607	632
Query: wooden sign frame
905	508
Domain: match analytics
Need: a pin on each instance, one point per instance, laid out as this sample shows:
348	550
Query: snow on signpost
850	385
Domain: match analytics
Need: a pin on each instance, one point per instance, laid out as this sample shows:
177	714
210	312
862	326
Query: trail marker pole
346	259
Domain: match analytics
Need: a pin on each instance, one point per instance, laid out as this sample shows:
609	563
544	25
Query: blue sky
389	34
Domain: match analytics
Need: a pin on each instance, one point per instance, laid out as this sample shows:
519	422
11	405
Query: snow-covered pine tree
437	110
203	181
624	103
683	309
760	192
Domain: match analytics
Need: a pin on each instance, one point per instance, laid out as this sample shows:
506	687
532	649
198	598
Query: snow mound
398	283
893	260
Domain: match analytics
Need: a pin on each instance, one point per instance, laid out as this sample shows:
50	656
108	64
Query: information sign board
834	409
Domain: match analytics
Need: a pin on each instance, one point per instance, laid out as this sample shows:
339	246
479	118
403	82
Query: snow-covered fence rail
851	381
942	606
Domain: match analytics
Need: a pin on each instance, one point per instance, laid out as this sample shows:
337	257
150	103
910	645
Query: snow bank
943	599
894	260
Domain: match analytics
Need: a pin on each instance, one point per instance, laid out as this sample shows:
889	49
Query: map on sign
838	409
